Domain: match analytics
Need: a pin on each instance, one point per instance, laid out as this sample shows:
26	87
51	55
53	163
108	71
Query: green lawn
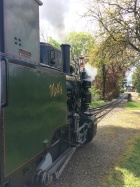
132	105
97	103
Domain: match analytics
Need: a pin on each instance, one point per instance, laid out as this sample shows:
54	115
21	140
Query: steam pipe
66	58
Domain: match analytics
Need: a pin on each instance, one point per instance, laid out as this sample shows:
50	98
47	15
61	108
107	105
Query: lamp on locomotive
81	63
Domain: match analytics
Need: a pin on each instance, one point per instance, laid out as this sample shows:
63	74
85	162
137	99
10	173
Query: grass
97	103
127	172
132	105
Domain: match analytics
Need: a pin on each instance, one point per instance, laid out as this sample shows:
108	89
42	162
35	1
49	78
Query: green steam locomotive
44	106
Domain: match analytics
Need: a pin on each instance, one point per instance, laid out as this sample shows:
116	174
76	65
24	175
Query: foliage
119	20
136	79
96	93
112	65
81	43
54	42
122	90
119	47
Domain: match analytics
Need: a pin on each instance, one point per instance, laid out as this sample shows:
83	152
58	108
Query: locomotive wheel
90	134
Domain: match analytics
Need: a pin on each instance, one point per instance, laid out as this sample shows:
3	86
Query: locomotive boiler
44	115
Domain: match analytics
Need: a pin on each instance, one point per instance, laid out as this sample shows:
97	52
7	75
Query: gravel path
91	163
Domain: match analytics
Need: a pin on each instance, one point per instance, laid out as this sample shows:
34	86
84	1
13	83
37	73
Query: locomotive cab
51	56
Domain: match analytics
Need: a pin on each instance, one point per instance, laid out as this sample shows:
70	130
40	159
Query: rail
103	110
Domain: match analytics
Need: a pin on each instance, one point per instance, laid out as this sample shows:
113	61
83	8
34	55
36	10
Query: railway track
103	110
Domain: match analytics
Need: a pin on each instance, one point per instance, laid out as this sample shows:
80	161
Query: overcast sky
58	17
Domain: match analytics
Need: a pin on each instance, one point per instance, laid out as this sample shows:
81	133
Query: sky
59	17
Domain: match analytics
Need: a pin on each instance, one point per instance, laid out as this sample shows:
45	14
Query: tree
119	20
136	79
54	42
109	79
81	44
119	49
112	61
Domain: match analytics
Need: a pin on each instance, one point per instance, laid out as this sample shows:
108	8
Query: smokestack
66	58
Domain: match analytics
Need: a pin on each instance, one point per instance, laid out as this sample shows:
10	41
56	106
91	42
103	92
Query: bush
122	90
96	93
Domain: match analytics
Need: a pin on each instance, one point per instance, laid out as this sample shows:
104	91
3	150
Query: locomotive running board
54	171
